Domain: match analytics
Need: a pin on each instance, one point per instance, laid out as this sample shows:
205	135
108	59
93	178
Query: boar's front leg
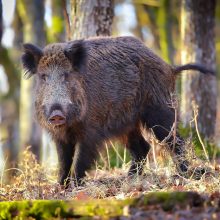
65	152
85	156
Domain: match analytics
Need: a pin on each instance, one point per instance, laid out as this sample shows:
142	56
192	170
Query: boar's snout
56	116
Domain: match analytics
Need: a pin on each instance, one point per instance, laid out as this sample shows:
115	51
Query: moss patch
169	201
84	209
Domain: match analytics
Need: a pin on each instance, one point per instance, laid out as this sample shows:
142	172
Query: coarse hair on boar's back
89	91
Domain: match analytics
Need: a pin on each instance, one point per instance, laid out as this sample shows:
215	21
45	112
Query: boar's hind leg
86	154
139	149
65	154
160	120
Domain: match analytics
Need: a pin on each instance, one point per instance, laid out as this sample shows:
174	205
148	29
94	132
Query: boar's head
60	98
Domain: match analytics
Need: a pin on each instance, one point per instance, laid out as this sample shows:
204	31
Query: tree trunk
18	28
1	22
9	105
164	21
197	32
32	14
91	18
161	23
1	137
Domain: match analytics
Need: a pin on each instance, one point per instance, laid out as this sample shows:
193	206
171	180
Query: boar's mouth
57	118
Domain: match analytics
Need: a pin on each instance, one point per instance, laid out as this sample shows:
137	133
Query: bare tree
197	32
91	18
9	102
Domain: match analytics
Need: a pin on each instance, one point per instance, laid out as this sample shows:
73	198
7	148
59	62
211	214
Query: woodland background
179	31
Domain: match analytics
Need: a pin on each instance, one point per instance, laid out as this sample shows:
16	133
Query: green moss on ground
86	209
169	200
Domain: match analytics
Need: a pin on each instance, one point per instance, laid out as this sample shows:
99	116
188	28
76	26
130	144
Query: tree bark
197	32
91	18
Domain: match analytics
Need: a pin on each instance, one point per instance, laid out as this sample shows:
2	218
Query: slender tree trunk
18	28
9	104
91	18
1	151
32	14
197	32
152	14
1	22
161	23
164	22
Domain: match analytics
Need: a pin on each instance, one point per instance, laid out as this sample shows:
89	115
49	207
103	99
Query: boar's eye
44	77
66	75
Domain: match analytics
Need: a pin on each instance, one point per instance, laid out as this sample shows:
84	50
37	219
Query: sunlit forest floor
33	181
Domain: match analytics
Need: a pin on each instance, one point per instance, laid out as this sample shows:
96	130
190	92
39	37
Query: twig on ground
195	112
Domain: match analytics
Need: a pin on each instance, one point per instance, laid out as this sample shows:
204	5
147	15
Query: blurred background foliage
156	22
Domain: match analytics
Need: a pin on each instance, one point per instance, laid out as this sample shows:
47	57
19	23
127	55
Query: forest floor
34	182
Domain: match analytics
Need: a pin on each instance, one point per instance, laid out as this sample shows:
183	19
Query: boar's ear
75	51
30	59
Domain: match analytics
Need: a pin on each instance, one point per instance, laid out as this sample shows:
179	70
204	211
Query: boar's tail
193	66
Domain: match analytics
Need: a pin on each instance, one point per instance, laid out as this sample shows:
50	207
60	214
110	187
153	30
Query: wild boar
90	91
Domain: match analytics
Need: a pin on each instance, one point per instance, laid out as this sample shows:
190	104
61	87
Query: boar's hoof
198	173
